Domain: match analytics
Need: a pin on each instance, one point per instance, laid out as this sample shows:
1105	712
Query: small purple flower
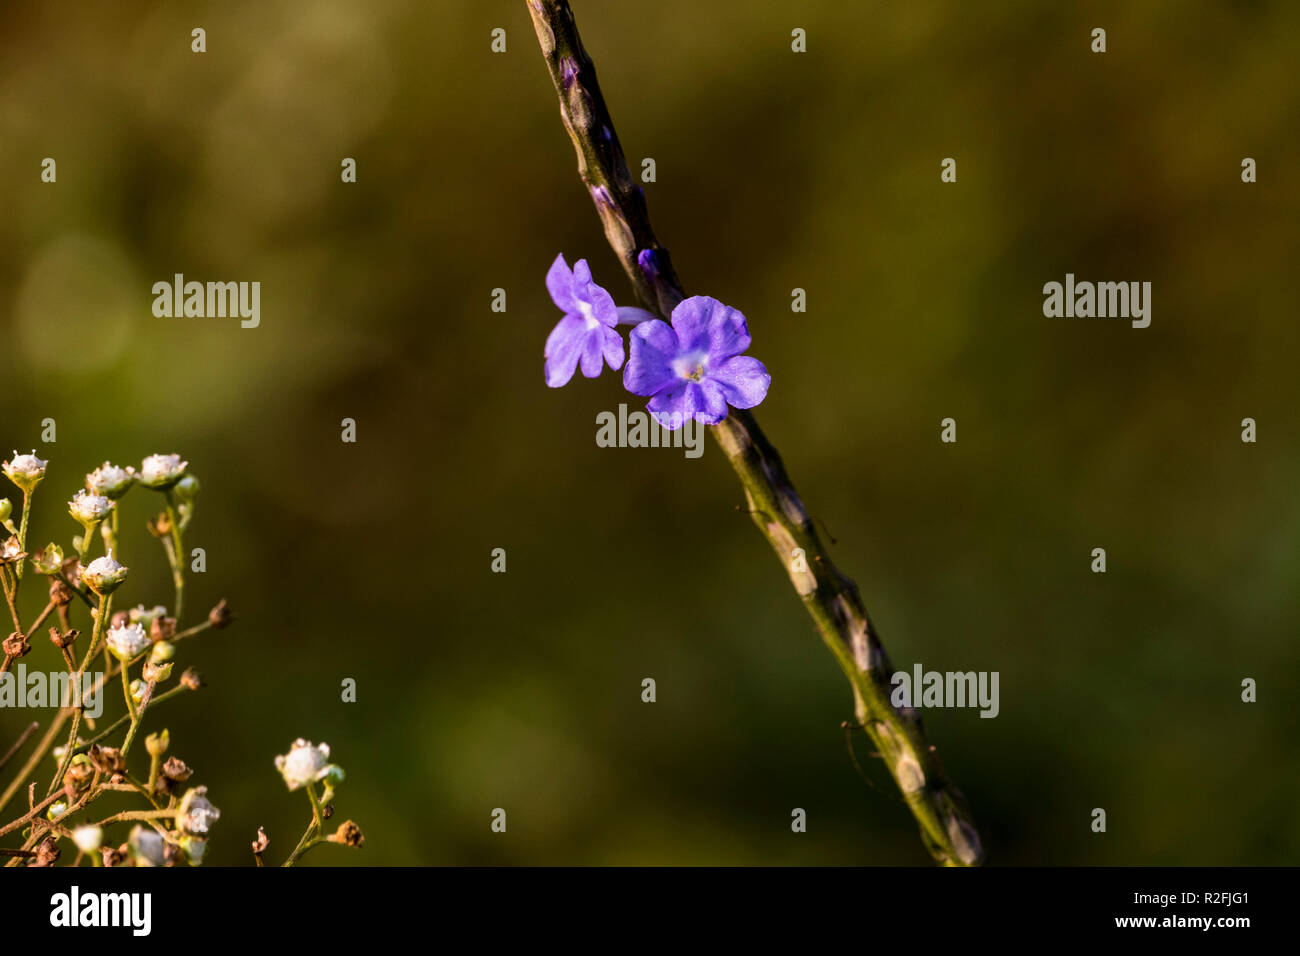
695	369
587	332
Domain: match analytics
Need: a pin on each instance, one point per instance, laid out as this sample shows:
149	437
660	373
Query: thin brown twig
18	744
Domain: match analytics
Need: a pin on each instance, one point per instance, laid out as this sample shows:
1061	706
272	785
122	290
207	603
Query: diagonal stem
832	599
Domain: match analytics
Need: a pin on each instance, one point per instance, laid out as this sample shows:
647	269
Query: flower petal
668	407
593	358
742	379
585	290
710	402
728	333
649	370
631	315
559	283
685	400
691	322
563	348
613	348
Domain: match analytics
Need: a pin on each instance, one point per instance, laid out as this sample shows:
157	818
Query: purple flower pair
691	369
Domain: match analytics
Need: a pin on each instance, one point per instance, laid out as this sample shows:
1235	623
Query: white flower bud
162	471
25	471
146	846
88	508
146	616
305	764
88	838
196	814
104	574
127	641
110	481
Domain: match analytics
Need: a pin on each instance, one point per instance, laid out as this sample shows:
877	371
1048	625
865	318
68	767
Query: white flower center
691	366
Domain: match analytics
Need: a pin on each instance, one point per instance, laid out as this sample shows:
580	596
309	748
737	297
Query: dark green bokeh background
775	170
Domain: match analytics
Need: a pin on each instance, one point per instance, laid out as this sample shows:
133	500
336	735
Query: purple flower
694	369
587	332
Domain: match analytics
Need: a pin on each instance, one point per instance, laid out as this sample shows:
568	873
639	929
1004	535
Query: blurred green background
775	170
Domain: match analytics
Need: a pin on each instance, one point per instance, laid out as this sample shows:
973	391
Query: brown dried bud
220	615
15	645
113	857
108	759
327	811
348	834
72	571
160	526
162	629
175	769
47	852
191	679
79	774
60	593
11	551
261	843
63	639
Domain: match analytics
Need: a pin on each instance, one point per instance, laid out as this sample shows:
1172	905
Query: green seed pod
158	743
48	560
187	489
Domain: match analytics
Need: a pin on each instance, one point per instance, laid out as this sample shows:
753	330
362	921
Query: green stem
138	718
176	554
109	531
138	815
75	590
316	813
22	530
831	598
87	539
310	836
179	689
126	694
101	621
